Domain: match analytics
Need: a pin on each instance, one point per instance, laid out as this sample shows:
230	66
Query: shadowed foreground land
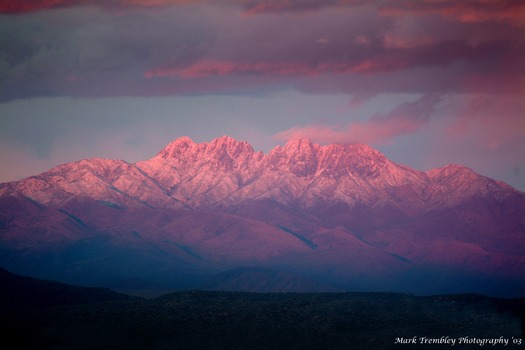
232	320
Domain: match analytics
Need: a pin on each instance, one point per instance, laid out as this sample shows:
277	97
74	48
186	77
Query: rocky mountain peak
229	146
342	210
454	173
362	150
298	144
206	173
177	147
298	156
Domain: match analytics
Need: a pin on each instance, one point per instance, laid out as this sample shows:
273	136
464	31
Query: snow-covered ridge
341	214
226	172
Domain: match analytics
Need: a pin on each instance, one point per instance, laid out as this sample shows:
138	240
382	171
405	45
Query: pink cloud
210	68
512	12
347	47
405	119
392	41
380	64
254	7
15	6
494	122
158	2
22	6
474	11
206	68
396	55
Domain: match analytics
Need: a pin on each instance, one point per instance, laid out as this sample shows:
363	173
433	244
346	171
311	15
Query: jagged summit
178	145
340	214
226	171
224	144
293	146
298	143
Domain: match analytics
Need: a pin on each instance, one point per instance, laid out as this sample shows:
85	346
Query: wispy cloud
495	123
22	6
206	68
405	119
464	11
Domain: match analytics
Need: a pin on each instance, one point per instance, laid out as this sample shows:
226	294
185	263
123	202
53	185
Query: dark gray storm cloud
204	48
86	51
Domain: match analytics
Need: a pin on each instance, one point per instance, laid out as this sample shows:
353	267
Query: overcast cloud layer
426	82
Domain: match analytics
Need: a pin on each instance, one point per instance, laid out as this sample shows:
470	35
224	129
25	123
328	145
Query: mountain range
303	217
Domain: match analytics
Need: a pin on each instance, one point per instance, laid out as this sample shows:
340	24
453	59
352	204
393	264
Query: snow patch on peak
298	143
362	149
449	170
184	146
227	171
184	139
175	149
181	141
229	145
456	168
225	139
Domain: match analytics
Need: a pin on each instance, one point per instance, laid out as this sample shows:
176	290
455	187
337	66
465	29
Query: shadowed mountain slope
342	216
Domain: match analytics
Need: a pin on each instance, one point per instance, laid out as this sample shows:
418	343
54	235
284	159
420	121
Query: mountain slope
341	215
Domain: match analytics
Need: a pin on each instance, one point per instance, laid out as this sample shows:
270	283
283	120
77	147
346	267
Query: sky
427	83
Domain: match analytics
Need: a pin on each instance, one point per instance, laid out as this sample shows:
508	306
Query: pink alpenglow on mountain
303	217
